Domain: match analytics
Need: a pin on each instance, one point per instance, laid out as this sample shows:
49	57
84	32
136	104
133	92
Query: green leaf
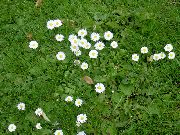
31	117
69	90
100	79
100	16
116	97
112	24
88	23
153	109
126	89
101	97
125	81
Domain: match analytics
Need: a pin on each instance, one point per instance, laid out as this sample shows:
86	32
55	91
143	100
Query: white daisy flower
87	46
99	87
57	23
95	36
77	53
171	55
77	62
78	102
58	132
82	118
144	50
33	44
93	54
60	56
59	37
74	48
39	112
156	57
71	37
162	55
38	126
114	44
69	99
81	133
21	106
135	57
50	24
75	41
168	48
78	124
108	35
82	33
82	42
99	46
84	65
12	128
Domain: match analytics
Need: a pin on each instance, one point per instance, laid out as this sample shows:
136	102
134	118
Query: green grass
146	98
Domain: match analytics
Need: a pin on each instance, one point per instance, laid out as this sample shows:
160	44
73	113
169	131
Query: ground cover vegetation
95	67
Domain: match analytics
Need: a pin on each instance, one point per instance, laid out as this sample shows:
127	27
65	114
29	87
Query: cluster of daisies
51	24
77	44
82	118
78	41
158	56
78	102
39	112
21	106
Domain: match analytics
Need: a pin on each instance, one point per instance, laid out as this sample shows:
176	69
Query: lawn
140	97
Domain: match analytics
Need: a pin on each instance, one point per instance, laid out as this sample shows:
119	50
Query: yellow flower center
60	56
93	54
79	101
82	118
58	133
